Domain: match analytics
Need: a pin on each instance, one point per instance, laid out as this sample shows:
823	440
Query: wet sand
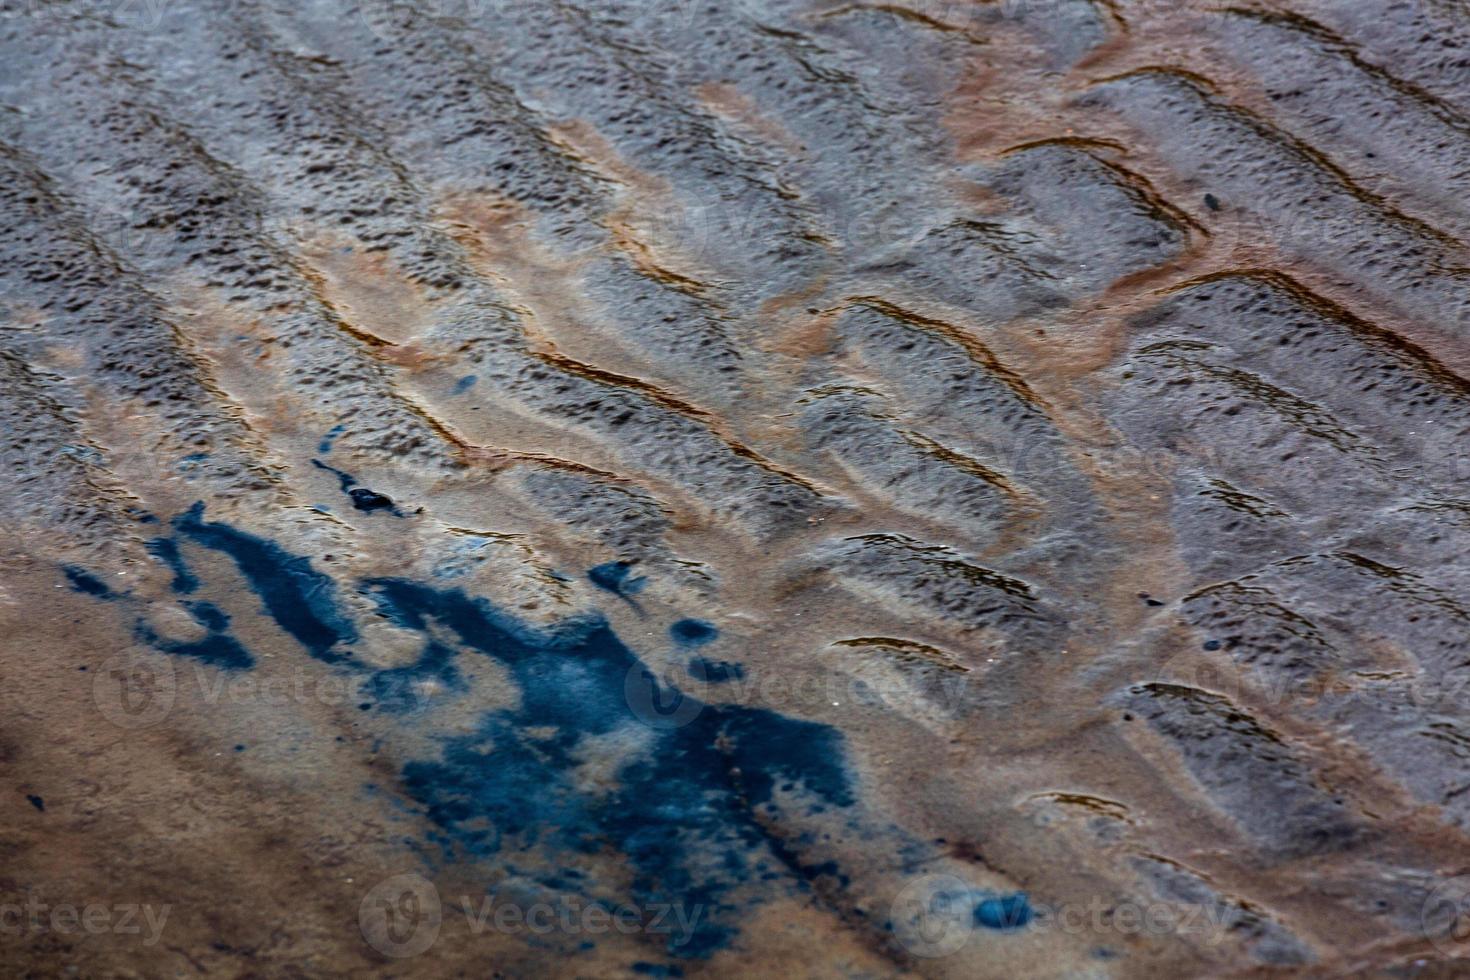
604	488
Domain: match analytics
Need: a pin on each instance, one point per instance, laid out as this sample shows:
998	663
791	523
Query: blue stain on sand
1004	912
300	599
218	647
465	383
715	671
617	577
693	632
692	804
691	808
167	551
362	498
191	462
86	583
325	446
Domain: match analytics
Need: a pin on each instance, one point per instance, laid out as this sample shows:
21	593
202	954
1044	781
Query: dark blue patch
218	648
208	615
617	577
396	688
347	480
1004	912
715	671
657	970
167	551
1212	644
37	802
693	632
300	599
465	383
325	446
85	582
369	500
685	811
362	498
693	798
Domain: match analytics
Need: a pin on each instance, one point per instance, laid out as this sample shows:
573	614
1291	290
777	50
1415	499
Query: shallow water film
678	488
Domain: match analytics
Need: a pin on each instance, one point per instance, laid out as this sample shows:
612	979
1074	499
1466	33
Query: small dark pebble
1212	202
365	706
239	748
37	802
365	499
1212	644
